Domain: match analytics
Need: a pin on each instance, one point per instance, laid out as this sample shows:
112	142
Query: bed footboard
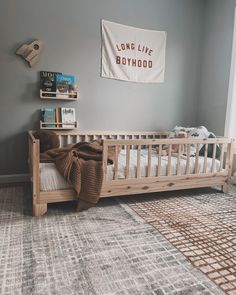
39	208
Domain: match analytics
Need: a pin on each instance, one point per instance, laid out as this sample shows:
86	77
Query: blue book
65	84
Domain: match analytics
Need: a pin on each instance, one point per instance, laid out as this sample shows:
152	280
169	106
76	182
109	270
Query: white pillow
184	129
200	132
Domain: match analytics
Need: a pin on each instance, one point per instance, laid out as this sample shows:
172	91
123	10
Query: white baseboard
11	178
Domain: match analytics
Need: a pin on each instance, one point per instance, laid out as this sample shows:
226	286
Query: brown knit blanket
81	165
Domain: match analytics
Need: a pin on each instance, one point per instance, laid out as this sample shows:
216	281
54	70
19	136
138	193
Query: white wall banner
132	54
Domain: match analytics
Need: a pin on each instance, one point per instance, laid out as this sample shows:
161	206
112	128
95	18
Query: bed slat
149	161
196	159
104	156
169	160
68	139
116	163
188	159
159	160
205	158
60	140
127	161
178	159
138	161
213	158
221	156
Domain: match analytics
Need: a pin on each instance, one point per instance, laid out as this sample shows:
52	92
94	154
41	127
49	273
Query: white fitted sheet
51	179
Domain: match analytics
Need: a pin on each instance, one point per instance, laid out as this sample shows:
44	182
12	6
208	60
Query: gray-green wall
216	61
70	31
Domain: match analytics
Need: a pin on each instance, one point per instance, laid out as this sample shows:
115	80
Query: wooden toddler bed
143	168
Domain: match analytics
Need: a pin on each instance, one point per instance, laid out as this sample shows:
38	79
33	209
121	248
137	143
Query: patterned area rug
200	225
107	250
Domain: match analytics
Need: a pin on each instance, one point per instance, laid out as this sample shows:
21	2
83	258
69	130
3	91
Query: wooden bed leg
225	188
39	209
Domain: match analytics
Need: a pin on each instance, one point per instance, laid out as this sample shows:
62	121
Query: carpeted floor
202	226
108	249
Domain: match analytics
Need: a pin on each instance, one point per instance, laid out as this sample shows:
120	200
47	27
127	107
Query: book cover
48	83
48	117
66	86
68	116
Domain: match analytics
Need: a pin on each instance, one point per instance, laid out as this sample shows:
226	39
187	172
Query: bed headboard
67	137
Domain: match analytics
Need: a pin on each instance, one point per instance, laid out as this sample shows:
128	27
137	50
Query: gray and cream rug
200	225
108	249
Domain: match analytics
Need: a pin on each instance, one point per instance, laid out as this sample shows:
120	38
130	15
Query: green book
48	117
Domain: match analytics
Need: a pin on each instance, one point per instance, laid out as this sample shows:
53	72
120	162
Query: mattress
51	179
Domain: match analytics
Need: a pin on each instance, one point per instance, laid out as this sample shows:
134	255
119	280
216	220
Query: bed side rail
216	158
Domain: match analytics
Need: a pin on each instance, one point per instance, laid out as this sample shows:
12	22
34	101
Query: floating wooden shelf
59	95
62	126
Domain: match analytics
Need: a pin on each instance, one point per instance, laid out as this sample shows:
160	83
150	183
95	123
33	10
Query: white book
68	116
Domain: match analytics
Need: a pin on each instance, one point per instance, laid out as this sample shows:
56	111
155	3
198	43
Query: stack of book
55	84
58	117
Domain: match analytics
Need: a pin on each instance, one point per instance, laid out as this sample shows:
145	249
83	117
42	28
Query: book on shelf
48	83
48	117
58	118
68	117
66	86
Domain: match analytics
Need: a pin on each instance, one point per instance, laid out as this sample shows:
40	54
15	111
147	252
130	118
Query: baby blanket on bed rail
81	165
